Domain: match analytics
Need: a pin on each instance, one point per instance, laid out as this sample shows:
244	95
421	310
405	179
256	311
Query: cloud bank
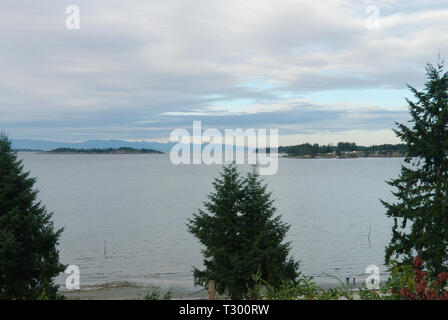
138	69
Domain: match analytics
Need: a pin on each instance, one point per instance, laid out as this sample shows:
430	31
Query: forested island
122	150
344	150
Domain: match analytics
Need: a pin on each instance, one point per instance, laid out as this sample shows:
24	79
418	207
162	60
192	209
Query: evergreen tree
241	237
29	259
263	234
421	212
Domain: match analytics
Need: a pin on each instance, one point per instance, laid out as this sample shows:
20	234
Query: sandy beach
125	291
129	291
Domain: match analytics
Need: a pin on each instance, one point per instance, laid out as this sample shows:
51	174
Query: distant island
47	145
122	150
28	150
343	150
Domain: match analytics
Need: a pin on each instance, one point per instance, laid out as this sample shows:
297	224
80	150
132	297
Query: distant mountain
46	145
122	150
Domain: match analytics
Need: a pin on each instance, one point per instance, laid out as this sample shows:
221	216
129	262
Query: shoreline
138	292
349	158
100	153
126	291
134	291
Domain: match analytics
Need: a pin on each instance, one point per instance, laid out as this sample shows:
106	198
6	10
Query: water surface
139	205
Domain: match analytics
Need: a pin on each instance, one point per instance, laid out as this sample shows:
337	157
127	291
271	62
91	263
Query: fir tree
241	236
421	213
263	234
29	259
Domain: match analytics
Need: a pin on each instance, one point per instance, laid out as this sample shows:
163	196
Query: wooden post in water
211	290
104	248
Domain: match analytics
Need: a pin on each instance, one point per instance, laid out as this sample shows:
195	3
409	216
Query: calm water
139	205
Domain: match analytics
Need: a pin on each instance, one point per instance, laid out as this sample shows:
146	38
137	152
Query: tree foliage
314	150
413	283
241	236
420	213
29	259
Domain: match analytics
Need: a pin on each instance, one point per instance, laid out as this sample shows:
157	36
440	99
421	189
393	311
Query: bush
413	283
155	294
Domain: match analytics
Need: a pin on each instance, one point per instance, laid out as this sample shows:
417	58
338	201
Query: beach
125	291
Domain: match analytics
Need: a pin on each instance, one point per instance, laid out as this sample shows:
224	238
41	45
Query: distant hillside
46	145
122	150
344	150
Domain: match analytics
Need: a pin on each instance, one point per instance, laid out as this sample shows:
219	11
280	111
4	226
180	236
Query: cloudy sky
319	71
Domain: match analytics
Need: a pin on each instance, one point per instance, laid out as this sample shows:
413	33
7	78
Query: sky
318	71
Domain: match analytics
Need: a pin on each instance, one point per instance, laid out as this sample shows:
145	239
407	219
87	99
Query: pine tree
263	234
421	213
241	237
29	259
